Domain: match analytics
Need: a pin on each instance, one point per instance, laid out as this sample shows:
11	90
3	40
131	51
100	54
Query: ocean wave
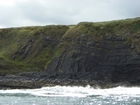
75	91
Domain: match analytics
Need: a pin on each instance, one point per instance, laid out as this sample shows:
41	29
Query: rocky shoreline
34	80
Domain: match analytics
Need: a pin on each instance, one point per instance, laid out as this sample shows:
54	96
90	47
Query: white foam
74	91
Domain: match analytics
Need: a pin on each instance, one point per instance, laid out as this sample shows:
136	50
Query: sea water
66	95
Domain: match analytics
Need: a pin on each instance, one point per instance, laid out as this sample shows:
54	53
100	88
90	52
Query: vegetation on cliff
28	48
129	29
33	48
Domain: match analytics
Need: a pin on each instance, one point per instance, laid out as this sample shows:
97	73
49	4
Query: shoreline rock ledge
24	82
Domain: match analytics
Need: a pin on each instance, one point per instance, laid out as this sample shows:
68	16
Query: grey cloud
46	13
42	12
128	8
7	16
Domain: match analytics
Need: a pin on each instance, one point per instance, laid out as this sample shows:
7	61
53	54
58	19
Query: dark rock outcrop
89	53
112	60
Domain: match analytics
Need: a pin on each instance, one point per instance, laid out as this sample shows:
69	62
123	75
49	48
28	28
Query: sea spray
67	95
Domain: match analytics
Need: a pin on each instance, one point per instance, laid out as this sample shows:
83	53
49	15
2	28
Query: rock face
112	60
107	56
102	53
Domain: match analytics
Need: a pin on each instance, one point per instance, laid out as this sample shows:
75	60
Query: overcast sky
17	13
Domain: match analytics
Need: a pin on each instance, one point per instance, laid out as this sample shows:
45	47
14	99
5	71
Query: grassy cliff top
128	29
116	27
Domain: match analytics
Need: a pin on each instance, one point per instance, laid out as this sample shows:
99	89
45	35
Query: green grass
118	27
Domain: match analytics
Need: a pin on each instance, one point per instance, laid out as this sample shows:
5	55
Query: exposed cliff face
92	53
104	51
112	60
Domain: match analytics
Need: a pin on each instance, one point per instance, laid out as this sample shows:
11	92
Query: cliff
103	51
